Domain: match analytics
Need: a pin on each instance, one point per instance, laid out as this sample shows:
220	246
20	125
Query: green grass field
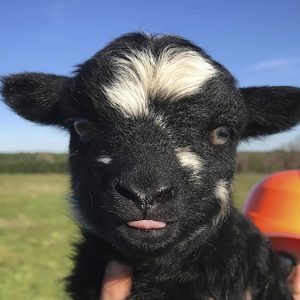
36	232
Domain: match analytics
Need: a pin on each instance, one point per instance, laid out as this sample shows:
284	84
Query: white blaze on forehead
222	193
105	159
140	76
190	160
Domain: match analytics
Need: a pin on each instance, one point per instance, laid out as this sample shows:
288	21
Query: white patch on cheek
140	76
222	193
221	190
191	161
105	159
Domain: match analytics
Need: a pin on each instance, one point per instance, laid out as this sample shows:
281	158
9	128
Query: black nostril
145	199
126	192
164	194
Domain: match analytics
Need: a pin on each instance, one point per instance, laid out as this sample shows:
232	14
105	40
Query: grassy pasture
36	232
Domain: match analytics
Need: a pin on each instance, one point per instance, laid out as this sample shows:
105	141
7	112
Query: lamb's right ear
36	96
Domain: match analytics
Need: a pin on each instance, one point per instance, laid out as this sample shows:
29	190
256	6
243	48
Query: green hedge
268	162
33	163
57	163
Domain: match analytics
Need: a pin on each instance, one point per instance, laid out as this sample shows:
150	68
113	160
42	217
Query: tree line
247	162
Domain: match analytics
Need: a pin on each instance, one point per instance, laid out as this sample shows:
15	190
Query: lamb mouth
137	241
147	225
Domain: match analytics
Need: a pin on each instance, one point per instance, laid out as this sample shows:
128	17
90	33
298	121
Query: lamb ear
35	96
271	109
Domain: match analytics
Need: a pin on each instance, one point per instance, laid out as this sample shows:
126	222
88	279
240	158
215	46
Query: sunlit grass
36	232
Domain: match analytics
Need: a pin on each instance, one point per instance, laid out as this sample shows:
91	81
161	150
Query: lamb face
156	141
154	124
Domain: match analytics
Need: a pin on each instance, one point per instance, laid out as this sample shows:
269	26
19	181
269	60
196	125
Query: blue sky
258	41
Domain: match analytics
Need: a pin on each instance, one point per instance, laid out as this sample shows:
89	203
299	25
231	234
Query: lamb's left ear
271	109
36	97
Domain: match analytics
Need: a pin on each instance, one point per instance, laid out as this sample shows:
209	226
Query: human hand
117	281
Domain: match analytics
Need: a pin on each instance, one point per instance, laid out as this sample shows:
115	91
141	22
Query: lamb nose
160	194
163	194
127	191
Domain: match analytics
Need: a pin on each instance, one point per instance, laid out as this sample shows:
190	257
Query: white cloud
57	9
274	64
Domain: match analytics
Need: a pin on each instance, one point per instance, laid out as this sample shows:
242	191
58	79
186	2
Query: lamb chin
132	239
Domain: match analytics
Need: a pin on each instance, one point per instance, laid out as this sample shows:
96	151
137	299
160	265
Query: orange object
274	205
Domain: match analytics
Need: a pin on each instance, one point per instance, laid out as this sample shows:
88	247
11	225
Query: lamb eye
220	135
84	128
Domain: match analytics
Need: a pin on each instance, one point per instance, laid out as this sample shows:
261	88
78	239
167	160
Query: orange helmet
274	205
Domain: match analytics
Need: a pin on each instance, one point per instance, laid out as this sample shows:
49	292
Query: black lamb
154	125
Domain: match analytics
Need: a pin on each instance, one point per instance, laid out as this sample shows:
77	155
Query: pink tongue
147	224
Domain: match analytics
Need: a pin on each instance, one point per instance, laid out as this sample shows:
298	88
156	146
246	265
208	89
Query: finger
117	281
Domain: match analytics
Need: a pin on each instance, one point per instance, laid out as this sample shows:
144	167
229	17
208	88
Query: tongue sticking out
147	224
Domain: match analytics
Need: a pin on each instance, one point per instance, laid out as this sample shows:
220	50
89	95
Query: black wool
154	124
